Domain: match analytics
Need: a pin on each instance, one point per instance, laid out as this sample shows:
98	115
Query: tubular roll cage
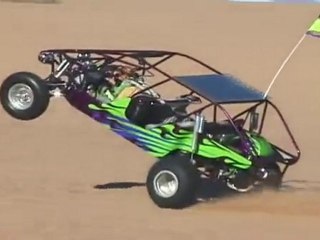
111	56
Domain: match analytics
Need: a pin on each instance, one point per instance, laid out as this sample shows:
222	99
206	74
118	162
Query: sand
49	167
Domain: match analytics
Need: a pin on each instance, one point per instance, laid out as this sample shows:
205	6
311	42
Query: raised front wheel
24	96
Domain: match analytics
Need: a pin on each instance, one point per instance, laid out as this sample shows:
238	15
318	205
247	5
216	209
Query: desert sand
50	167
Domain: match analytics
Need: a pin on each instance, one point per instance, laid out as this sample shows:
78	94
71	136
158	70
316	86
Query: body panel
158	141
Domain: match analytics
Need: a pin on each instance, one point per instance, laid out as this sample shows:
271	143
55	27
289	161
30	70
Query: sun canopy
221	88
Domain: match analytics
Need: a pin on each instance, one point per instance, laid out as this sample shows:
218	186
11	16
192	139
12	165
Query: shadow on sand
210	190
207	191
119	185
301	185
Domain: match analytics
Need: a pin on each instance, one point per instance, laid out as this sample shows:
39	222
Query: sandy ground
49	167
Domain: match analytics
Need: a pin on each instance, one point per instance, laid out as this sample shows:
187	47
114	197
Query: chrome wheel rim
21	96
166	184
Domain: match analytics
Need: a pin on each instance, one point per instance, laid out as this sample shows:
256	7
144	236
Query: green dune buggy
188	144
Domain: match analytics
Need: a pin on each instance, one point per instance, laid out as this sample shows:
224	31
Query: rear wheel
24	95
245	181
274	178
173	182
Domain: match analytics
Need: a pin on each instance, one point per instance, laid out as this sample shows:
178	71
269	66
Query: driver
123	87
121	84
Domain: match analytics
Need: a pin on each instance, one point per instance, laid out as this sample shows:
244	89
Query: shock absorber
197	130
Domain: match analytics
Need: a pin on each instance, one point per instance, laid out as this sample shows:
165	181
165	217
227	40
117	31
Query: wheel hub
165	184
21	96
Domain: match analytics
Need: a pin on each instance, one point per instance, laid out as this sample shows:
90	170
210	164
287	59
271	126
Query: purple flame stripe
113	121
81	101
140	142
130	134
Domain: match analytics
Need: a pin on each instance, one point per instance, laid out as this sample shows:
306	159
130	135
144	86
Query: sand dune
49	167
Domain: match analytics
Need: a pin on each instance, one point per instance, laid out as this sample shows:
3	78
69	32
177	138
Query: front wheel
24	96
172	182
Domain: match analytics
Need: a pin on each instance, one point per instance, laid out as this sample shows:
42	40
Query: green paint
163	140
262	146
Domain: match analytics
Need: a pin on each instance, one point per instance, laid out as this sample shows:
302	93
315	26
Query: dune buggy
111	87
